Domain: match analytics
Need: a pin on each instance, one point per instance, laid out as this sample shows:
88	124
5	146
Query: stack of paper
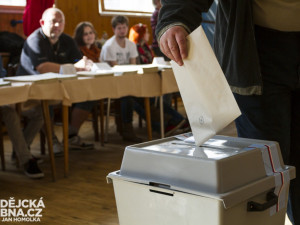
95	74
161	63
100	66
133	69
125	69
40	78
4	83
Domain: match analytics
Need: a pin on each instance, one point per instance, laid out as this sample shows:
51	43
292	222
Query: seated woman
85	37
173	120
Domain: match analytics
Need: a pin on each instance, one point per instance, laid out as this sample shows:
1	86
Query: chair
5	59
175	97
95	112
118	118
99	110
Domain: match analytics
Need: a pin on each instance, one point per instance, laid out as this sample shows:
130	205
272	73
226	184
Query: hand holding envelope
206	95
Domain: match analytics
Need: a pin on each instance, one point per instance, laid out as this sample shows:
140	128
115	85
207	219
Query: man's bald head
51	11
53	24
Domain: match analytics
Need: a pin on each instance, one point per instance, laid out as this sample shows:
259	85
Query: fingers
170	48
174	50
173	44
89	64
182	44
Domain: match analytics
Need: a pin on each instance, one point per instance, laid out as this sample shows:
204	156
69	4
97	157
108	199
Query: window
13	2
126	7
12	6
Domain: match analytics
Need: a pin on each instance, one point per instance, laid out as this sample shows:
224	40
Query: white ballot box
226	181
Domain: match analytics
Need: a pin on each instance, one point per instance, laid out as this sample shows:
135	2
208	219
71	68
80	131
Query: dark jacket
37	49
153	21
234	41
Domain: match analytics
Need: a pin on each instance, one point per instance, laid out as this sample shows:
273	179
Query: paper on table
125	69
40	78
4	83
161	63
206	95
98	73
100	66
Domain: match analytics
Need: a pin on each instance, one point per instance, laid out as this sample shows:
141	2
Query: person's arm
133	52
112	63
177	18
46	67
82	65
132	60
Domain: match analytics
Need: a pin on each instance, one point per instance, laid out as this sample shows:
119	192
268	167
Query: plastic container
226	181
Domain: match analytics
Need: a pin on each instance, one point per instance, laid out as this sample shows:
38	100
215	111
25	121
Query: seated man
118	50
22	140
47	49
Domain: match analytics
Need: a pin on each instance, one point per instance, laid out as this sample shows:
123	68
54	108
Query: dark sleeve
187	12
153	21
75	54
33	54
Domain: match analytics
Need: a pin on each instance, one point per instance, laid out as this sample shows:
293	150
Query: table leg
48	127
148	118
102	122
65	112
161	108
107	120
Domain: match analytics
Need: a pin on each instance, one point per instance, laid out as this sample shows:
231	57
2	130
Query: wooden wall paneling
77	11
5	19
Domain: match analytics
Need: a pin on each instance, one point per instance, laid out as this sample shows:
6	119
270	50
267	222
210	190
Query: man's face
121	30
53	25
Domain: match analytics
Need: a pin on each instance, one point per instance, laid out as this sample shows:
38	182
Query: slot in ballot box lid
220	165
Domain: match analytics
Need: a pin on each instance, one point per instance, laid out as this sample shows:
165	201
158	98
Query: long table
87	89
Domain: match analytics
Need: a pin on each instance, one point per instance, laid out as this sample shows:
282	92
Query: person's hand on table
84	64
173	44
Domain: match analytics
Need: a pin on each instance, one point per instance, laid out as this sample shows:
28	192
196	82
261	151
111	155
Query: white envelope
206	95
